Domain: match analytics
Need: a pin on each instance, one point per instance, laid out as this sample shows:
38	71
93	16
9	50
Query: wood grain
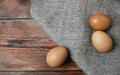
11	9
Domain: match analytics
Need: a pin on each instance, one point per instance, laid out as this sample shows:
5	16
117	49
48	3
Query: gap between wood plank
17	19
41	71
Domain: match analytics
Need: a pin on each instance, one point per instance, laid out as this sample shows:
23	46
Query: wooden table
23	44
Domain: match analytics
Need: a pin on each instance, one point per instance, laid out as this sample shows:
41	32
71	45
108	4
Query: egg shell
56	56
102	41
100	21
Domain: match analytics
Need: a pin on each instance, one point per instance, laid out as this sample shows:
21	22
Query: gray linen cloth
66	22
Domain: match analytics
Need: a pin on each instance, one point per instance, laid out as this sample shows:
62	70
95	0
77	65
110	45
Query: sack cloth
66	22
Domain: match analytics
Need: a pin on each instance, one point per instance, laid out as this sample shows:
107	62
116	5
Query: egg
57	56
102	41
100	21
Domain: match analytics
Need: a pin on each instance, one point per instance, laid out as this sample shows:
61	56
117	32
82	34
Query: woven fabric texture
66	22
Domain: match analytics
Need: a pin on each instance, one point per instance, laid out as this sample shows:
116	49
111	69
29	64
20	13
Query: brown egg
56	56
99	21
102	41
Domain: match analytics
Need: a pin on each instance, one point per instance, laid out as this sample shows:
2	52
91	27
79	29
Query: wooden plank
16	59
23	45
21	30
10	9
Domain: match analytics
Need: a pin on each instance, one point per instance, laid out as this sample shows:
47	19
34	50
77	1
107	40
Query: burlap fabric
66	22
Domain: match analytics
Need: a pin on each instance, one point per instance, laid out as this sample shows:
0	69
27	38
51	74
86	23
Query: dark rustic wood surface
24	45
